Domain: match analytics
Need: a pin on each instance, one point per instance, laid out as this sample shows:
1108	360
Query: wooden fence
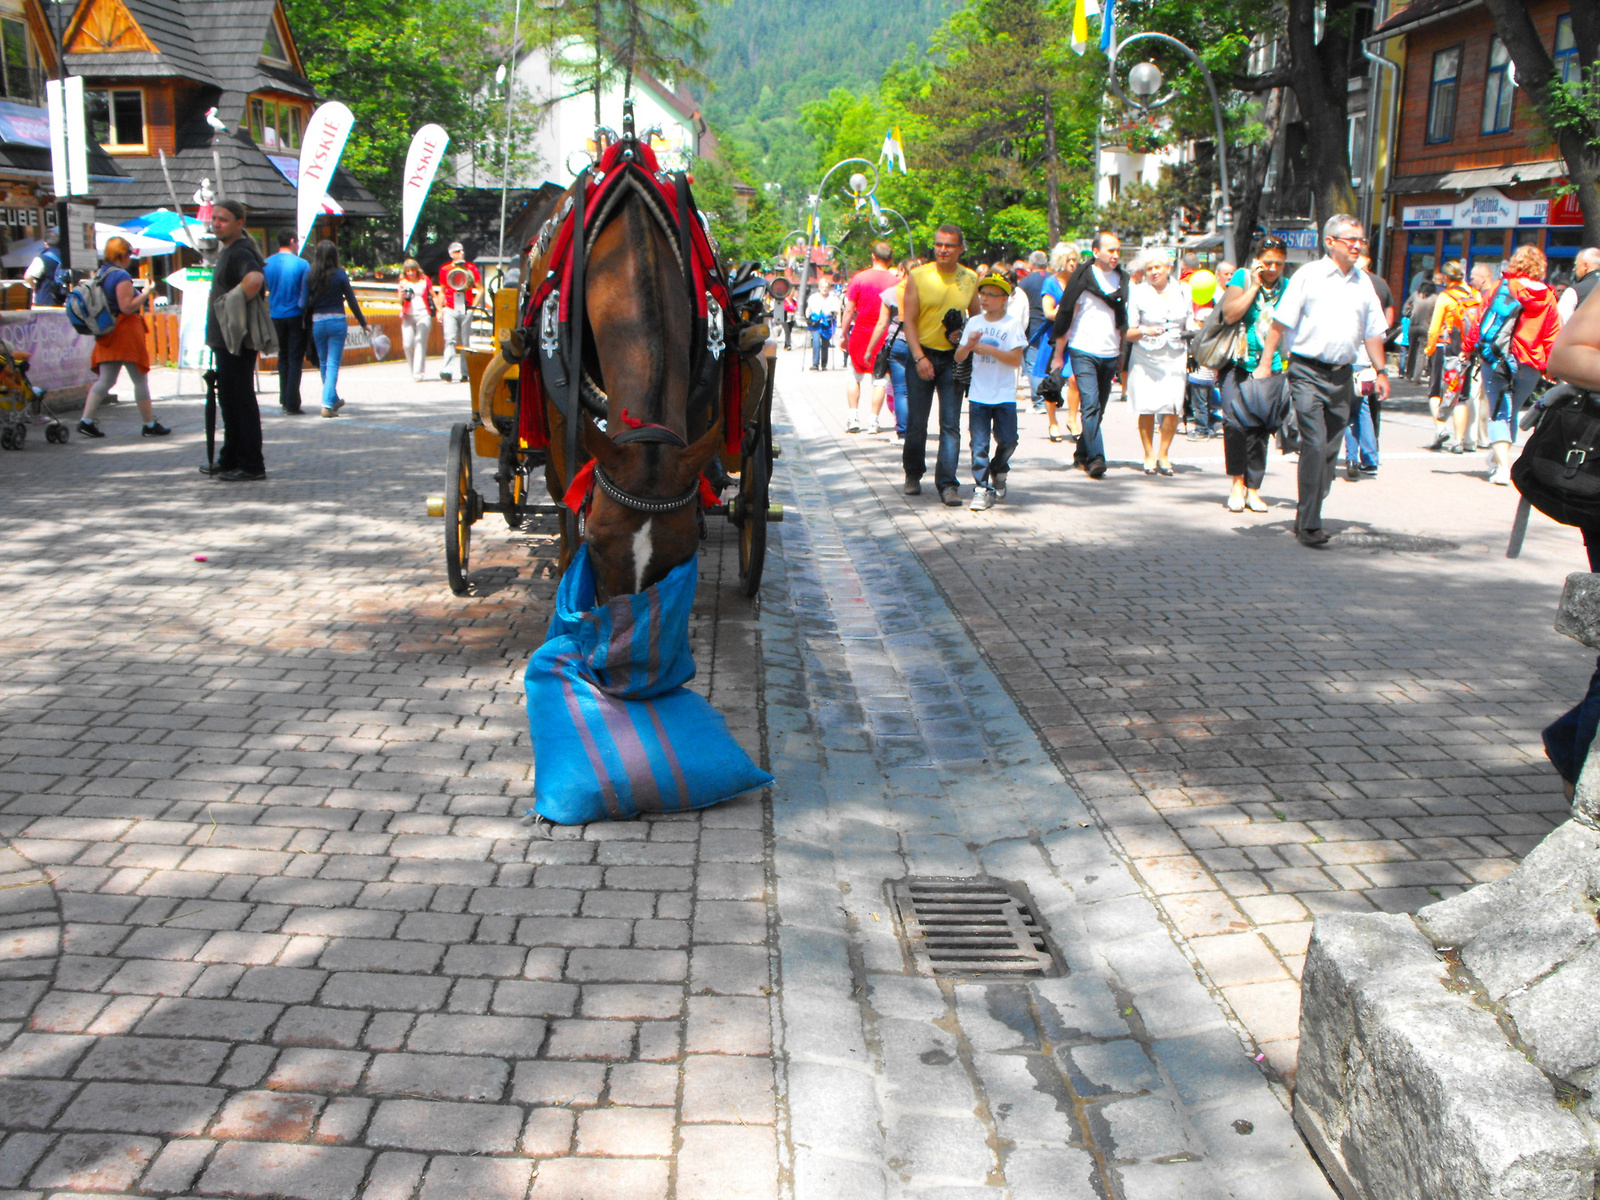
161	334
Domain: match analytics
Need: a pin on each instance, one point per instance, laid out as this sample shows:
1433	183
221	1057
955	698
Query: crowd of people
306	303
1247	353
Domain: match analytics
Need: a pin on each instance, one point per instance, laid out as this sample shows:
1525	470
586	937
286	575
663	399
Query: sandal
1255	505
1149	468
1164	468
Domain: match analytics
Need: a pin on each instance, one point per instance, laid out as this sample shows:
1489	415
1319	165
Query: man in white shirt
1585	278
1090	322
995	341
1328	315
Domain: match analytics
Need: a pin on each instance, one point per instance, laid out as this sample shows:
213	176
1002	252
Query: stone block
267	1117
1409	1090
625	1132
1578	615
600	1179
453	1178
94	1162
727	1162
142	1108
453	1128
289	1172
437	1077
501	1037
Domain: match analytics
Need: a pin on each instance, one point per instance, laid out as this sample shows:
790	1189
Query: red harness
671	195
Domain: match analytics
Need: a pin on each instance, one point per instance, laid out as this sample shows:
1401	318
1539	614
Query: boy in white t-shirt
995	342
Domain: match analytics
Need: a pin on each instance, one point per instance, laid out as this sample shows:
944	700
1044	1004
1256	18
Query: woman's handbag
1218	342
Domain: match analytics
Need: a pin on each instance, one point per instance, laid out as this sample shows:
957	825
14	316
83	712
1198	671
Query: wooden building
154	68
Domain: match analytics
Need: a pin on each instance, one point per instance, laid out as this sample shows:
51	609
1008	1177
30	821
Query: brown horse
637	356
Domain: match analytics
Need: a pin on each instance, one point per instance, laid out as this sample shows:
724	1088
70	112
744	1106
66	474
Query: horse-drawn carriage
634	371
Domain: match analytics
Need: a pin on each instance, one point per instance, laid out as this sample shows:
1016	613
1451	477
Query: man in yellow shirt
939	297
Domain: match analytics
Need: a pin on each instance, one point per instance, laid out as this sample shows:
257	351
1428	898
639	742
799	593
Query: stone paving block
176	1166
548	1133
142	1108
625	1132
454	1128
267	1117
600	1179
1062	1173
282	985
291	1172
319	1027
950	1149
1231	959
32	1104
506	1037
454	1178
317	1070
394	1176
437	1077
631	1001
155	1060
574	1084
353	989
729	1025
729	970
627	966
573	1038
93	1162
231	1019
727	1089
727	1162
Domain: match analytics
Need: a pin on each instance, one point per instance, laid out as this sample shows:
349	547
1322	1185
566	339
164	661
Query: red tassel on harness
577	497
708	494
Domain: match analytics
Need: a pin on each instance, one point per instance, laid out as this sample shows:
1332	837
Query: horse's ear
694	459
600	447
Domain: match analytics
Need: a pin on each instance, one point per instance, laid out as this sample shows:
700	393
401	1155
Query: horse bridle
646	433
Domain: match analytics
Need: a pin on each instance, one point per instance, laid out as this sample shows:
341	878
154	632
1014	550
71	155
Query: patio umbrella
164	223
144	245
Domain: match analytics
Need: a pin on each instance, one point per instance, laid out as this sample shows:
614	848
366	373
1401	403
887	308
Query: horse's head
644	519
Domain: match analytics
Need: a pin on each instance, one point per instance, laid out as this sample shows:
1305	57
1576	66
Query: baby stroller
22	404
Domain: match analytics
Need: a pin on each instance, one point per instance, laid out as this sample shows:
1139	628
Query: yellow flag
1080	26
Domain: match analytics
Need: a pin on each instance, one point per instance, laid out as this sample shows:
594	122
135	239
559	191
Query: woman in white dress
1159	315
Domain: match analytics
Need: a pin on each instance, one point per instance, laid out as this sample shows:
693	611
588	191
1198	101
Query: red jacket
450	292
1537	327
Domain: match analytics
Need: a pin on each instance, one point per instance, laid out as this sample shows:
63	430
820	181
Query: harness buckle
714	338
549	324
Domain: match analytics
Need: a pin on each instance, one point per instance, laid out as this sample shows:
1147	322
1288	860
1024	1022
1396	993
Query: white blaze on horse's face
643	548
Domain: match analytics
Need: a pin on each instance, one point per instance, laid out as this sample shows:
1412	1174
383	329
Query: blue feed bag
615	733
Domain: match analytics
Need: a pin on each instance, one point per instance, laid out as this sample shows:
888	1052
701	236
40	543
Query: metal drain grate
970	926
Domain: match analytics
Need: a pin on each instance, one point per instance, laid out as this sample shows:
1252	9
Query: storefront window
1488	246
1568	68
1498	91
1442	95
1455	245
1561	248
1422	259
115	116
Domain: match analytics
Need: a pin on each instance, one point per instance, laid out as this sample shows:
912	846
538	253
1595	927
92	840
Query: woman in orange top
124	346
1457	305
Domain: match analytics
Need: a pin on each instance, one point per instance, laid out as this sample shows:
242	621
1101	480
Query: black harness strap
575	318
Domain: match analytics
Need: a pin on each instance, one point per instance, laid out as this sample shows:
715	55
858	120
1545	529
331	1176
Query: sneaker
444	377
982	499
1369	472
89	429
1502	477
874	427
997	483
852	425
1457	448
1096	468
154	429
950	496
210	470
1440	441
912	487
328	412
238	476
1352	472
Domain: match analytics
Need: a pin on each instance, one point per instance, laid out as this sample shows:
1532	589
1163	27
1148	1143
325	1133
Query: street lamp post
1144	81
858	188
883	227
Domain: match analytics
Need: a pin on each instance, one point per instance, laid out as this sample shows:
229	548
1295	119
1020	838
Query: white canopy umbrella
143	245
22	253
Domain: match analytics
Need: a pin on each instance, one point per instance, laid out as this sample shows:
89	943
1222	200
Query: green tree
398	64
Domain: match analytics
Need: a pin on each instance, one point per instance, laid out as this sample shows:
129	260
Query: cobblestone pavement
1264	732
306	947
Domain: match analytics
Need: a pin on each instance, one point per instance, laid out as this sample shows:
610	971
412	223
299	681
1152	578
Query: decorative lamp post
1144	81
883	226
860	188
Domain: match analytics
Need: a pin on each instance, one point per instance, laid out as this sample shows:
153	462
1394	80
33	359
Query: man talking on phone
1328	314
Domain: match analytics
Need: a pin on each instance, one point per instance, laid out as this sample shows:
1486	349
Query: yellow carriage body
486	438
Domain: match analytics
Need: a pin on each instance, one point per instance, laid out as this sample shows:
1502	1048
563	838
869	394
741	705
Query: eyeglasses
1349	241
1272	243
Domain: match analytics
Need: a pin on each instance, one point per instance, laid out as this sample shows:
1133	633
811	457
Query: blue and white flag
1108	22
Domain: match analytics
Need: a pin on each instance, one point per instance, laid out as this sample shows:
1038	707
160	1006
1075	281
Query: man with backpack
46	276
1513	340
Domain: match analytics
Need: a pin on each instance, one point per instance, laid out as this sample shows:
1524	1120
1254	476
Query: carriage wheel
458	508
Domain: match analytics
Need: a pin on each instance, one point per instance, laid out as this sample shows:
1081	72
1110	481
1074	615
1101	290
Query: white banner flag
69	139
422	163
320	148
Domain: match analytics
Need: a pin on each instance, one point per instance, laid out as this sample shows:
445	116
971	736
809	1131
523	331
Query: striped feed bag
615	732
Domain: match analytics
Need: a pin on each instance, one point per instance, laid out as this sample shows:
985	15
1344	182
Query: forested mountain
768	57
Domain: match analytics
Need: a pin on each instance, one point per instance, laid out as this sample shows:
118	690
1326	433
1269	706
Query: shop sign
1487	208
1533	212
1297	239
1565	210
1428	216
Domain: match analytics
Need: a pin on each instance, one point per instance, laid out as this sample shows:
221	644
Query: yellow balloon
1202	286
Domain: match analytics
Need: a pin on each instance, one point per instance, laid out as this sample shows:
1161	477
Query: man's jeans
291	359
1002	419
1094	377
919	405
1361	435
